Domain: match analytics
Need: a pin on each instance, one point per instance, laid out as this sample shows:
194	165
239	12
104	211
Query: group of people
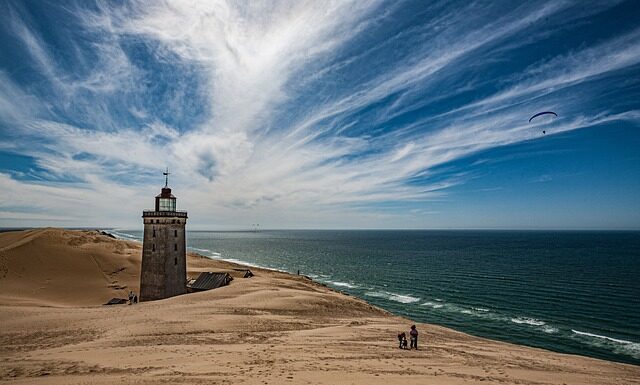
413	333
133	298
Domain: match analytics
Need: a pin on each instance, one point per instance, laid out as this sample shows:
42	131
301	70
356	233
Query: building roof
210	280
116	301
247	273
165	193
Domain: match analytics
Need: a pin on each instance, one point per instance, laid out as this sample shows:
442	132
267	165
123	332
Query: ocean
570	292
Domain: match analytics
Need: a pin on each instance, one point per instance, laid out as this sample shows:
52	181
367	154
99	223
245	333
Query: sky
321	114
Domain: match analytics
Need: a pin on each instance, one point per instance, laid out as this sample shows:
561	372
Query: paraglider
542	113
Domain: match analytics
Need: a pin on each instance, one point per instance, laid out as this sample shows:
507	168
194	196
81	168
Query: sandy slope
271	329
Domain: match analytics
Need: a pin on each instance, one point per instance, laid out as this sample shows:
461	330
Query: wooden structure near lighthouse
164	262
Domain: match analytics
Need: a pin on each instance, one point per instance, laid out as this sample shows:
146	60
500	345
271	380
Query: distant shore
272	328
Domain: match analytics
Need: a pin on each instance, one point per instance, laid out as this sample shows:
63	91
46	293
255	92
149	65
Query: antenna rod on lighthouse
166	177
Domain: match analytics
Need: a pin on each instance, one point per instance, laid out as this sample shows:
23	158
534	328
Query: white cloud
242	162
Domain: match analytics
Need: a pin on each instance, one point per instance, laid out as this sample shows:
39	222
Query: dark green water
572	292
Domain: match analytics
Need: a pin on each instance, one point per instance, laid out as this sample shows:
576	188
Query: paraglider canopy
542	113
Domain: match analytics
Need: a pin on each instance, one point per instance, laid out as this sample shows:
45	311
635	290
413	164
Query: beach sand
274	328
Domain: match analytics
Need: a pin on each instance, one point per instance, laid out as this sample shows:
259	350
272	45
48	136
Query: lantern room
165	201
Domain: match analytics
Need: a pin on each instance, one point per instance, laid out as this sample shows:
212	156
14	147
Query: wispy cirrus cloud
292	108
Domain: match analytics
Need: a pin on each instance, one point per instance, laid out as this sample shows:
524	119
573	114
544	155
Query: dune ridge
273	328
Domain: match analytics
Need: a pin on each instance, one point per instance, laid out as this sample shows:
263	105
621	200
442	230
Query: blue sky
347	114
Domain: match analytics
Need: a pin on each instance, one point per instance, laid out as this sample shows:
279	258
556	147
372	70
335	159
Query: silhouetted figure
414	337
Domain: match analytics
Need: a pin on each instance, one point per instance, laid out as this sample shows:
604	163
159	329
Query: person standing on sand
414	337
402	339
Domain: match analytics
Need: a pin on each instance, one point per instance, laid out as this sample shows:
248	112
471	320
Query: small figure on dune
402	338
133	297
414	337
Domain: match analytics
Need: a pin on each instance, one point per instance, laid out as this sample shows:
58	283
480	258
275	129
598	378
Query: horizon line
250	230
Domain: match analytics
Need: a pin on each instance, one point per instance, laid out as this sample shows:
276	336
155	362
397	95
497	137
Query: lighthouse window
167	204
153	247
175	247
154	233
175	261
175	233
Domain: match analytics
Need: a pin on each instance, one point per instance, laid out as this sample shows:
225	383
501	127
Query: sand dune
75	268
273	328
55	267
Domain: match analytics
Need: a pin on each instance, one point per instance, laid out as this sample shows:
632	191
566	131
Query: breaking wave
528	321
206	252
618	345
200	250
392	296
121	235
342	284
434	305
487	314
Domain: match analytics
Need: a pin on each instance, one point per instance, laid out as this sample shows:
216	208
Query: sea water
571	292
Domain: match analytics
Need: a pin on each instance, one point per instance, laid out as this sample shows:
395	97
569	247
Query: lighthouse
164	262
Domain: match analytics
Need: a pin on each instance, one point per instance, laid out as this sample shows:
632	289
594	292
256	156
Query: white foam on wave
233	260
120	235
392	296
484	313
342	284
527	321
624	342
620	346
403	298
453	308
432	304
487	314
256	265
245	263
198	249
209	254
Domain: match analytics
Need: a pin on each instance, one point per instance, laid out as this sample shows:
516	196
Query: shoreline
275	327
197	251
393	302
